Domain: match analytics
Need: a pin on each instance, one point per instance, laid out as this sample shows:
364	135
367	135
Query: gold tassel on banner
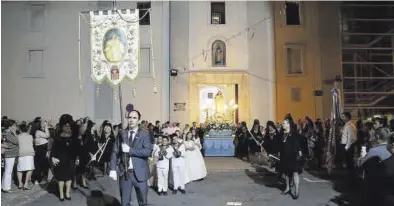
79	55
154	88
115	94
97	91
153	58
134	92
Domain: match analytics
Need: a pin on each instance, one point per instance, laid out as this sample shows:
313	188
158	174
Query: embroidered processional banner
114	45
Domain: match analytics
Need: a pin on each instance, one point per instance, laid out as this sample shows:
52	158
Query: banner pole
124	155
121	105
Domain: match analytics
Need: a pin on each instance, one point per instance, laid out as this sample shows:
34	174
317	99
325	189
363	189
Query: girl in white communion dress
195	165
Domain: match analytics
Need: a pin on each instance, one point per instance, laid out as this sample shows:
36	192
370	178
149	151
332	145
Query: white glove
125	148
113	175
77	162
55	161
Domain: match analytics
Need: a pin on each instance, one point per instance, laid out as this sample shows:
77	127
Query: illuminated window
218	13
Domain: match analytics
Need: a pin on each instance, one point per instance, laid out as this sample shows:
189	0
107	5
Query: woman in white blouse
41	147
26	156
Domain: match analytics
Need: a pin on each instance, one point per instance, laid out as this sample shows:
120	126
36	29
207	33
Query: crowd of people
72	151
294	145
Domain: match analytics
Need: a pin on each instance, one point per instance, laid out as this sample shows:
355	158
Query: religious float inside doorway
219	127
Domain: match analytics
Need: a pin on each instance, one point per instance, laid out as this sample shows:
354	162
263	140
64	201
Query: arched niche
218	53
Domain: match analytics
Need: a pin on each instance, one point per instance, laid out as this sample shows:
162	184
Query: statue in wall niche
219	56
218	53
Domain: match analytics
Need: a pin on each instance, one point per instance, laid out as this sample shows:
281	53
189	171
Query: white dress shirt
133	136
165	162
179	161
348	134
42	137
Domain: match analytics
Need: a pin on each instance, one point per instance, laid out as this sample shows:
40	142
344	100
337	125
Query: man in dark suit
134	172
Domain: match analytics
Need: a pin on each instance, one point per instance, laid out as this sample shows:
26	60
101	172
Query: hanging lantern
98	91
154	88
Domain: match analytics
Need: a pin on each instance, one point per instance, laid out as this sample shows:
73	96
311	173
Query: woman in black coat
92	141
258	135
107	139
272	140
291	155
81	150
64	157
243	142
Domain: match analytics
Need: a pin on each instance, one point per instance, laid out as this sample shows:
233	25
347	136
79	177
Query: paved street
233	183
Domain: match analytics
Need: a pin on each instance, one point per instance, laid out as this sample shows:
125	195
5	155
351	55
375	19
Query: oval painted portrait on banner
114	45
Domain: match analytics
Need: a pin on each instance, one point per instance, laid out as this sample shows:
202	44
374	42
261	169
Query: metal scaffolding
367	35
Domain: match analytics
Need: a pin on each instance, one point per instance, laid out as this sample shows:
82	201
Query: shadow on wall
97	198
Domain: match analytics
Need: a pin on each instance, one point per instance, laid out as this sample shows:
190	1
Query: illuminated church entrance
218	102
230	104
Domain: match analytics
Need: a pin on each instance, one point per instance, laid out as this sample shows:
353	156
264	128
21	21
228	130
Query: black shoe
182	191
61	199
86	187
165	193
296	196
174	192
26	188
160	193
68	198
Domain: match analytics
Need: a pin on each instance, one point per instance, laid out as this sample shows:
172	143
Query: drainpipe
169	61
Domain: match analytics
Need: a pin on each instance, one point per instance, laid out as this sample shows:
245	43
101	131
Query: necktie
131	136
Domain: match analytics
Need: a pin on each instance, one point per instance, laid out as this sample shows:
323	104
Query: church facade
264	62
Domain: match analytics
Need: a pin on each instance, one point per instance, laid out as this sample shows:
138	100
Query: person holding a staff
133	171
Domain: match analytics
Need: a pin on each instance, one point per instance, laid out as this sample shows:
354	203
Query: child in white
163	156
195	165
152	181
178	165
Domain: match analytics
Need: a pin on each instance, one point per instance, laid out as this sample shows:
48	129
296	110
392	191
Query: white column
165	71
271	63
